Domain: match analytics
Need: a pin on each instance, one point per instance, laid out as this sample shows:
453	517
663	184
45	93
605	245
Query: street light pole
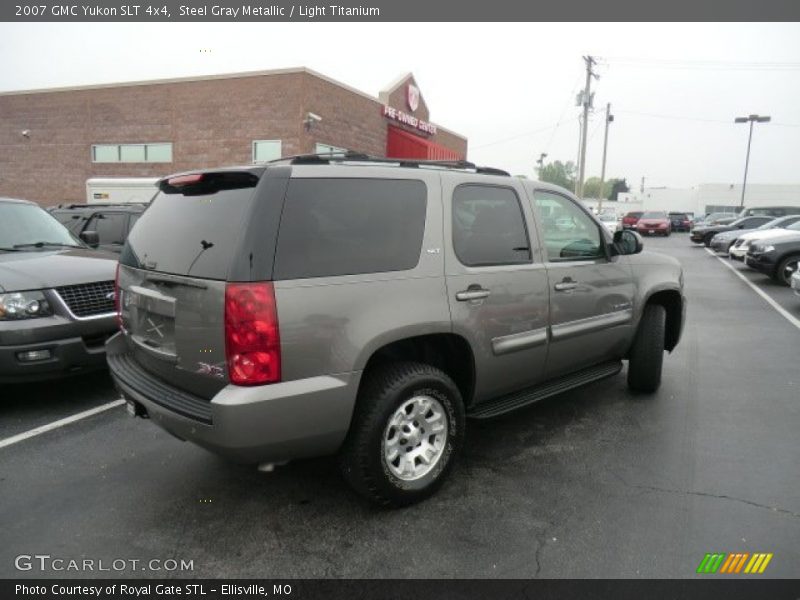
751	119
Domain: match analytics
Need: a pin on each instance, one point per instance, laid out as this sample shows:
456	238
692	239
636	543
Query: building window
264	150
132	153
327	149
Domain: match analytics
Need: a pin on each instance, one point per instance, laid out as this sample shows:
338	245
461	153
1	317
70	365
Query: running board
509	402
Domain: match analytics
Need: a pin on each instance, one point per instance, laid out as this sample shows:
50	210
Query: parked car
776	257
609	221
377	312
776	228
704	234
771	211
723	242
680	221
630	219
654	222
56	297
111	222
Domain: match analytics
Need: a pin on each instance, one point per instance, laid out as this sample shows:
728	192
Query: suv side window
569	233
338	226
110	227
489	226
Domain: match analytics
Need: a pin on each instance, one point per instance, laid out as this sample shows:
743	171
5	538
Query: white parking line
60	423
783	312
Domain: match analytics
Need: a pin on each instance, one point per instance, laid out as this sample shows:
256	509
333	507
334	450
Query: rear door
496	282
591	293
173	274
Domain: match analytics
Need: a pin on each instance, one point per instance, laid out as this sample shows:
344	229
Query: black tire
383	392
707	239
782	274
647	353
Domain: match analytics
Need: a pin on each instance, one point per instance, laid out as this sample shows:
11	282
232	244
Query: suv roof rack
340	157
99	204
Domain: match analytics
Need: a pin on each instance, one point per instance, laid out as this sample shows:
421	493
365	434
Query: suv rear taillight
117	303
252	339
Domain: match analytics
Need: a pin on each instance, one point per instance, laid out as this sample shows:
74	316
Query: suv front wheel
647	353
406	433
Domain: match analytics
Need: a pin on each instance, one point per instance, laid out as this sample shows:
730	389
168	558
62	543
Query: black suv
111	222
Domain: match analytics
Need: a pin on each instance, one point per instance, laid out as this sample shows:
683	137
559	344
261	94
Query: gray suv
366	307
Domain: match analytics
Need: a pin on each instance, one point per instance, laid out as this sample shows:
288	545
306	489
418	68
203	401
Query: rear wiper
42	244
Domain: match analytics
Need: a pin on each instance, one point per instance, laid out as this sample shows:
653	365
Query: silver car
351	305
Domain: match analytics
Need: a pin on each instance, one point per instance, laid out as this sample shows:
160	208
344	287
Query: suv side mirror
627	242
90	238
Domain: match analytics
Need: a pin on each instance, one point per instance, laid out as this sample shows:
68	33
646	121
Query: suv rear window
350	226
195	233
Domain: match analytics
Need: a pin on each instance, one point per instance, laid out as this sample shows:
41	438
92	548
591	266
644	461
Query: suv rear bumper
270	423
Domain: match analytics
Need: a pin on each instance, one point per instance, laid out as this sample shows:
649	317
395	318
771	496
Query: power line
523	135
697	119
721	65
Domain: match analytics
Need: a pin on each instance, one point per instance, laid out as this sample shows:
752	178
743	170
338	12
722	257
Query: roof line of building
218	76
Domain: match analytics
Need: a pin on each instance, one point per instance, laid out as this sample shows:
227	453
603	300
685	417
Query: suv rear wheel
406	433
647	353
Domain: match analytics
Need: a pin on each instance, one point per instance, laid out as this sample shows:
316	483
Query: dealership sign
410	120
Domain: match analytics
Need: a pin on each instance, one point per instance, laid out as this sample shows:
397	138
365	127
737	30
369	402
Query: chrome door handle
566	286
472	294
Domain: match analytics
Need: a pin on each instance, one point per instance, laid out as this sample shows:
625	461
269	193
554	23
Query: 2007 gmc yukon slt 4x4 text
316	305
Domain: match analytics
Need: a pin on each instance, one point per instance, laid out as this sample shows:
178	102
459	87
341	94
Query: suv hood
48	269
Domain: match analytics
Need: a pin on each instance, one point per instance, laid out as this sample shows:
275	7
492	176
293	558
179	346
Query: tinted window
195	234
489	227
569	233
350	226
654	215
751	222
110	227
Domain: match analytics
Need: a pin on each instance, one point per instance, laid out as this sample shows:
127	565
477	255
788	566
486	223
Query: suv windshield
26	226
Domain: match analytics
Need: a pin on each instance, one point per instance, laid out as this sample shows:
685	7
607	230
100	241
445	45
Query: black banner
393	10
437	589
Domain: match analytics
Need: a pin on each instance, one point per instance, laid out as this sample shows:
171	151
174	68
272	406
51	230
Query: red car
629	220
654	222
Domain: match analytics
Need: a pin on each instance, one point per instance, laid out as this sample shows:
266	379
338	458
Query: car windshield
794	226
654	215
608	217
24	226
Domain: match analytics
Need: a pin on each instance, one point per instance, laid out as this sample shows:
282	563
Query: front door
591	292
496	282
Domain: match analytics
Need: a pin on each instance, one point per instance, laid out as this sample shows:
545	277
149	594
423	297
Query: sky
674	88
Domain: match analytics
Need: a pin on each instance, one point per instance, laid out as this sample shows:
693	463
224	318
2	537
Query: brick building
52	141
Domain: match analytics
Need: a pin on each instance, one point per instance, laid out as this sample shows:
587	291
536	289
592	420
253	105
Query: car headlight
24	305
767	248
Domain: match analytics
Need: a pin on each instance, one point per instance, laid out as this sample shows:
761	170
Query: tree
618	186
559	173
591	188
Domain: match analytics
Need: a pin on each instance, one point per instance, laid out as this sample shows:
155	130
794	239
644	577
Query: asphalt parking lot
594	483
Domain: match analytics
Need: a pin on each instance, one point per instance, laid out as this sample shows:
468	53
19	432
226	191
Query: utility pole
587	103
752	119
609	119
580	139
